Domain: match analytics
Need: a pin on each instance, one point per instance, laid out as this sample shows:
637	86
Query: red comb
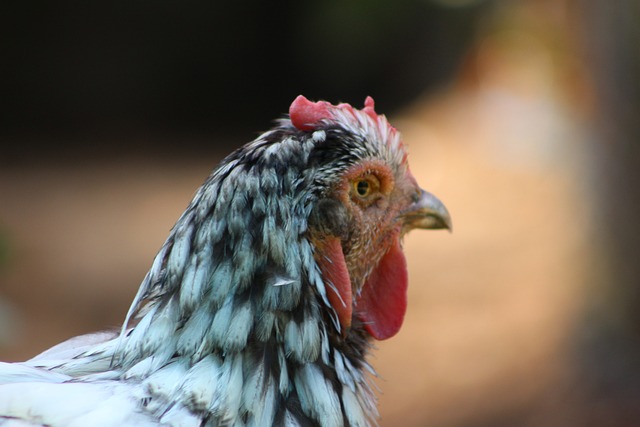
306	115
369	109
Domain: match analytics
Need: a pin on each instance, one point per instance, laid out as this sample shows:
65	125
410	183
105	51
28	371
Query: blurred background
523	116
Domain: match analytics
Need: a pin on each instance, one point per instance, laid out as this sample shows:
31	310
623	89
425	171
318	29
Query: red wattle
383	300
333	266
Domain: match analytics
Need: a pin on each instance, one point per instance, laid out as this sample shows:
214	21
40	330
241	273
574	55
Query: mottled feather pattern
232	325
271	289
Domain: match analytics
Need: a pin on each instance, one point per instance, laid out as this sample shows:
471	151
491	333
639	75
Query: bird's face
377	204
375	198
357	227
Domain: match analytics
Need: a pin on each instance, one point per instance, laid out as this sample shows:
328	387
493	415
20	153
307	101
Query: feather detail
317	397
246	316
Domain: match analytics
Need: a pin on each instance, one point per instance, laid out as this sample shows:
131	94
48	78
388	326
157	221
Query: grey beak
427	212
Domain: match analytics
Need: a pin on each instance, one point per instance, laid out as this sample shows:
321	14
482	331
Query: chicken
261	306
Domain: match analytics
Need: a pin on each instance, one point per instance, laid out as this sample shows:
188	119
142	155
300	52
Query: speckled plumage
234	324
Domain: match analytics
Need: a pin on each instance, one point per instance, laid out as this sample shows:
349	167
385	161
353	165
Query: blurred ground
492	306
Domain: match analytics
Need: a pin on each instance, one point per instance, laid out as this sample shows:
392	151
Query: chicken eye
366	186
363	188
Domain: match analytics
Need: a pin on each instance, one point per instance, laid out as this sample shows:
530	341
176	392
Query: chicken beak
427	212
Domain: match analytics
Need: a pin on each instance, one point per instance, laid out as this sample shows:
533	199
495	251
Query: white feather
201	382
325	346
290	420
319	135
352	409
94	404
181	249
341	371
302	340
229	390
258	397
221	282
136	343
193	334
221	321
244	262
264	325
239	326
317	396
284	384
179	416
73	347
282	281
190	290
17	372
142	369
165	382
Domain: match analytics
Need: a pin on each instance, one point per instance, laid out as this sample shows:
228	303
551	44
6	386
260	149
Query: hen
260	307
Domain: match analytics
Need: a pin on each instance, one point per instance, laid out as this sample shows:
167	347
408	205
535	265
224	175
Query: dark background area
134	76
